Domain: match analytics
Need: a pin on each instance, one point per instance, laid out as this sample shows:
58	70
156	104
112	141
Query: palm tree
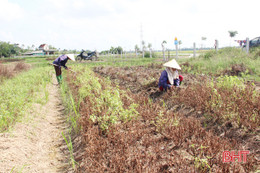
150	48
163	48
232	34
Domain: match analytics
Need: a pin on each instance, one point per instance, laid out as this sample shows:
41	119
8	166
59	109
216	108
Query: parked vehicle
86	56
253	43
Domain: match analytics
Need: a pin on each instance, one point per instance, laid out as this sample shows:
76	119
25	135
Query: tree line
7	49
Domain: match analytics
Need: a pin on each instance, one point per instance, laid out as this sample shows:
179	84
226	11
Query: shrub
209	54
147	55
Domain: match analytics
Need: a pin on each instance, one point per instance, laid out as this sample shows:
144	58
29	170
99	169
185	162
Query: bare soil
36	144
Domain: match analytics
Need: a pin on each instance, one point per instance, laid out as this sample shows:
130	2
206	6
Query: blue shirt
61	61
163	81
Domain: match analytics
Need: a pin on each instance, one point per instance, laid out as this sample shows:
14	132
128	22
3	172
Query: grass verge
18	93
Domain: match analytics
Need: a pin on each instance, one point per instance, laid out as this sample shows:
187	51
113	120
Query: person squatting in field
61	61
170	77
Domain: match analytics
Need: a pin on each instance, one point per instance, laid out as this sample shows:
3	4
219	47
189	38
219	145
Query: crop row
126	132
18	93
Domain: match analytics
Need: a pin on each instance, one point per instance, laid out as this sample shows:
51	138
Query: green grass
216	63
118	62
17	94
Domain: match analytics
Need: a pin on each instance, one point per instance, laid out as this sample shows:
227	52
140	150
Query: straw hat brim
172	64
71	56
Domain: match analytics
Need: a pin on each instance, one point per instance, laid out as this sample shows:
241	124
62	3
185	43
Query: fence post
216	45
247	45
194	49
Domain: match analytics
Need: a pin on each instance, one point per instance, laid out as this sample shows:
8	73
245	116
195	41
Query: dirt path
36	144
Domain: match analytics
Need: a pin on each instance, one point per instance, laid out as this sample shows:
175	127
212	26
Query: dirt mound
237	70
9	70
20	66
186	64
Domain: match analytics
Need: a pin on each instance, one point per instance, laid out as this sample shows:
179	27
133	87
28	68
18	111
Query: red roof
42	45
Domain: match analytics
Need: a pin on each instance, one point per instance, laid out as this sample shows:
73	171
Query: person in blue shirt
61	62
170	77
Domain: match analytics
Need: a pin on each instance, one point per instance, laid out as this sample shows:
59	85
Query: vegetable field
127	125
111	117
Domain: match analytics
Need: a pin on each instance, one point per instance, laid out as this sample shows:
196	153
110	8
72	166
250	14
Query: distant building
46	50
44	47
35	53
42	50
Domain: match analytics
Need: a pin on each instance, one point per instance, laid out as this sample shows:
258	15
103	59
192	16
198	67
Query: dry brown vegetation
178	131
9	70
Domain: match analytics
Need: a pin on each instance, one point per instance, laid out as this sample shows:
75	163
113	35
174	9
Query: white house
44	47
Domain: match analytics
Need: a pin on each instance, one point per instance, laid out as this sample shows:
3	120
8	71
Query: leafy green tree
116	50
7	49
119	50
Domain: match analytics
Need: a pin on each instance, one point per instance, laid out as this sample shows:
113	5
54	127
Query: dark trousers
57	70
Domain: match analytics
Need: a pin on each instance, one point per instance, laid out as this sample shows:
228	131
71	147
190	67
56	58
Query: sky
100	24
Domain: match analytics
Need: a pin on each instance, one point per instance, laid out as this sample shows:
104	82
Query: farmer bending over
61	61
170	77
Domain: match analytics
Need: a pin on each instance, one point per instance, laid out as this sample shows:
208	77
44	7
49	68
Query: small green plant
70	148
161	122
200	161
229	82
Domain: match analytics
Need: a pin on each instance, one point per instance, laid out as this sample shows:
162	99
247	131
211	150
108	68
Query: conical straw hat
71	56
172	64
